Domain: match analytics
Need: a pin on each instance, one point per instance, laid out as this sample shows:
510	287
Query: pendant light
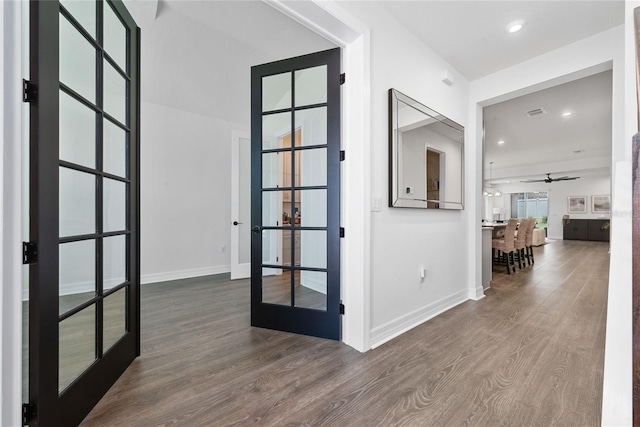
488	189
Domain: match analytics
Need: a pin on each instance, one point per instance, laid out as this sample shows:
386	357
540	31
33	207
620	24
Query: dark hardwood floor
530	353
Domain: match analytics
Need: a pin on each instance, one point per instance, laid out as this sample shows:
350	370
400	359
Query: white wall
558	193
185	180
403	240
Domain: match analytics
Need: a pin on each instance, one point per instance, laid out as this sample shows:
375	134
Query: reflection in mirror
426	156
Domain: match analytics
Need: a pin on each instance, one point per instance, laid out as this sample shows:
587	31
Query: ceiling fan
548	179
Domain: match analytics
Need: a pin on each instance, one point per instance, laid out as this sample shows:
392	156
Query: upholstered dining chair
505	246
529	242
520	242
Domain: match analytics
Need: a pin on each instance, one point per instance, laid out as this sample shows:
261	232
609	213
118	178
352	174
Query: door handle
256	229
236	223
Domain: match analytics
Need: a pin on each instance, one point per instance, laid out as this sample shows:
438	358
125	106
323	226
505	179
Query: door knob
236	223
256	229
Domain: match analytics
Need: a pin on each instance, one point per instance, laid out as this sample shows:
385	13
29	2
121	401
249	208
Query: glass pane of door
77	271
76	345
114	148
84	12
77	61
115	37
114	318
115	93
77	132
77	202
276	286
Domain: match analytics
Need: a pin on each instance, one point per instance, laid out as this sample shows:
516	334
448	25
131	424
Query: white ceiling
551	138
471	36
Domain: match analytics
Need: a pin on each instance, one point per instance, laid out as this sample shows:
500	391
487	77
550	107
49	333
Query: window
531	205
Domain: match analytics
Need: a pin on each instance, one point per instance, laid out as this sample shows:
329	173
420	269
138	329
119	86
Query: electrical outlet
223	249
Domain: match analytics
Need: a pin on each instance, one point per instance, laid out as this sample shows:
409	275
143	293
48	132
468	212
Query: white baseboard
81	287
402	324
477	293
183	274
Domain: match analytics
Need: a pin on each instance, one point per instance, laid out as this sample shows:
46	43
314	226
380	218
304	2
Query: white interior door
240	205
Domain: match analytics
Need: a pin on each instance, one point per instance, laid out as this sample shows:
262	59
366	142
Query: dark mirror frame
431	197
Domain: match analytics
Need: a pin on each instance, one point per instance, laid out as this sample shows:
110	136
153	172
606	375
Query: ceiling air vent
536	112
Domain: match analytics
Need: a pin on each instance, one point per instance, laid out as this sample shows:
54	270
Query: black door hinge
29	91
28	413
341	308
341	231
342	78
342	155
29	252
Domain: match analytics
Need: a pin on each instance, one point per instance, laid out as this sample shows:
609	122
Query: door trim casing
332	21
11	148
238	271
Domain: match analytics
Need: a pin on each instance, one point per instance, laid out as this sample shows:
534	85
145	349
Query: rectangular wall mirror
426	156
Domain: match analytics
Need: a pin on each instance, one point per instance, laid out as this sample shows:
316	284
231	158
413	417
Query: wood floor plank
530	353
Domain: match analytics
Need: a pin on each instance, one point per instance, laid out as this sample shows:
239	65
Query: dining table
497	227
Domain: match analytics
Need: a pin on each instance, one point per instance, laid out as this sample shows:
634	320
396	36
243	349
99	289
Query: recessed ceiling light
501	142
567	114
515	26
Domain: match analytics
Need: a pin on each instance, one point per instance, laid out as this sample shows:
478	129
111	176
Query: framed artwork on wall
577	204
601	204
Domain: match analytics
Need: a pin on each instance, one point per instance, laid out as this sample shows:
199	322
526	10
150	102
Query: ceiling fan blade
566	178
534	180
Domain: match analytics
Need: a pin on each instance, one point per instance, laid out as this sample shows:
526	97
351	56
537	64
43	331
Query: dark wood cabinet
586	229
576	229
599	230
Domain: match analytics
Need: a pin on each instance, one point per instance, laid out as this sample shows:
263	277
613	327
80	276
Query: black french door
295	195
84	304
